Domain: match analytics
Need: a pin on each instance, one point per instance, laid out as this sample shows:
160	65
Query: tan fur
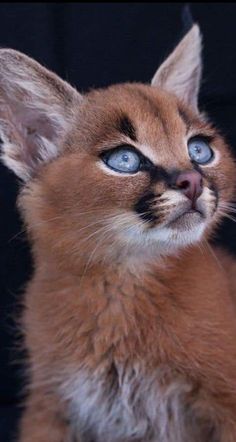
130	328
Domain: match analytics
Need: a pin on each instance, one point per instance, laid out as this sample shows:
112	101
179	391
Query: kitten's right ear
36	109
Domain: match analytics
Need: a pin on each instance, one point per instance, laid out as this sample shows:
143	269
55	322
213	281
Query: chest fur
125	404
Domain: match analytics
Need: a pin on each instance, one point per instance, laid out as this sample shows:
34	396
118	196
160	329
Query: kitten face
129	170
141	210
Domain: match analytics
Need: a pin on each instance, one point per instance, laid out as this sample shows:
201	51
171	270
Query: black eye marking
197	168
215	190
126	127
158	173
144	207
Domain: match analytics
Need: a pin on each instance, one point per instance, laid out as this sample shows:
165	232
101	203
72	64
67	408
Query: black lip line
188	211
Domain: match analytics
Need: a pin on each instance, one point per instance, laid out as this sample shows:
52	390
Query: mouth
187	219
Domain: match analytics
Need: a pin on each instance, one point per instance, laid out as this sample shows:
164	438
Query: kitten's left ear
181	71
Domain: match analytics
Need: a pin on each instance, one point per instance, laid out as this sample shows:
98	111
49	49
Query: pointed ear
36	109
181	71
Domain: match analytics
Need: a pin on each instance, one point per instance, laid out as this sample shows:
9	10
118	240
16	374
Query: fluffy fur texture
129	318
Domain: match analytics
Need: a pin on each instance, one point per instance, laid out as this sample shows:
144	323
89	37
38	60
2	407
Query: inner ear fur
36	109
181	72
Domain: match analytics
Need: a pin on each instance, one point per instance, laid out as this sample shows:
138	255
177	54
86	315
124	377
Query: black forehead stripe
126	127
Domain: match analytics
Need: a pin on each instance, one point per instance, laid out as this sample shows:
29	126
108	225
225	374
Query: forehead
148	118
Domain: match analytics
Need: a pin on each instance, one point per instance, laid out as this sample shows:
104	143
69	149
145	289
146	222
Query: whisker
118	222
43	222
91	257
226	215
30	227
105	237
107	228
225	204
214	255
201	248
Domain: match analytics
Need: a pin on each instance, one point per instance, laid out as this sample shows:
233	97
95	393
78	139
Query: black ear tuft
187	18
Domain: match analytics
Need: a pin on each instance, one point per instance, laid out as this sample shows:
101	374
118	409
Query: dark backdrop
94	45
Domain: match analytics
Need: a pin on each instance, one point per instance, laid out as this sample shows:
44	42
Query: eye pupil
125	157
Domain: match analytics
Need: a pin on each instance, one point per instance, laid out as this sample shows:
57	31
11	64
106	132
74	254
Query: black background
91	45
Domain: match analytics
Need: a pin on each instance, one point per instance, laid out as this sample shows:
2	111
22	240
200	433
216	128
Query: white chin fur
164	240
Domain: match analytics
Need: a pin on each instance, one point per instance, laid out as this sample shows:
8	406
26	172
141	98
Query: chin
171	238
165	240
184	230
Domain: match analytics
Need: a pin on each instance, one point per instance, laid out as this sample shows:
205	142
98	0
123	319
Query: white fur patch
127	405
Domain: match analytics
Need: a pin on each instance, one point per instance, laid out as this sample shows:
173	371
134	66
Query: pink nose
190	184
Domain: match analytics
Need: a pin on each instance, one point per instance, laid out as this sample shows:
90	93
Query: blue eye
123	160
200	151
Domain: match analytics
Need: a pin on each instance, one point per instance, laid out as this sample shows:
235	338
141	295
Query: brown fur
96	304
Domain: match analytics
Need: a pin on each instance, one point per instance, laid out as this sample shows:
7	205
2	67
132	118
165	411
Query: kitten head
128	170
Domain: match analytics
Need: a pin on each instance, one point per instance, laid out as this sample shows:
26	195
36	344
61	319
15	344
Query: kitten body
129	318
145	360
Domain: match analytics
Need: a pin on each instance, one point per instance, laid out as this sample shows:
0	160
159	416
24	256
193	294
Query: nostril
184	185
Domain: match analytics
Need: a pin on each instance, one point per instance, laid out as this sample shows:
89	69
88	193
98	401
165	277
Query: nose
190	183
